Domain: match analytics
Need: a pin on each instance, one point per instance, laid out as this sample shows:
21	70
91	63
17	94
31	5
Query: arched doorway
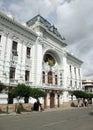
52	102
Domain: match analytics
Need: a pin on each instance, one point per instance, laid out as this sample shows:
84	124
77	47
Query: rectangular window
56	82
70	68
70	71
0	38
14	48
75	72
12	72
79	72
27	75
28	52
70	83
79	84
75	84
43	77
61	83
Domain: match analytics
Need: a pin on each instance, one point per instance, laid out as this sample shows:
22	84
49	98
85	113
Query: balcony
14	58
13	82
14	53
28	83
52	87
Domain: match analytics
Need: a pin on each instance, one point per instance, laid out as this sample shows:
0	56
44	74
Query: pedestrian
86	102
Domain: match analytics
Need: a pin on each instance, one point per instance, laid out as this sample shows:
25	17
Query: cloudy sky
73	18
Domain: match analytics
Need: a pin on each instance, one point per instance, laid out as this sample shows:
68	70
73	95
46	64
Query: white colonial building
35	54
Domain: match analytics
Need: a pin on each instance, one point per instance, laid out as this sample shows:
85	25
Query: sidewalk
46	110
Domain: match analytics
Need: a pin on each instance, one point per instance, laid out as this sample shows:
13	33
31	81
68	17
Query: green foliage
2	86
79	94
36	93
25	91
10	94
89	95
21	90
82	94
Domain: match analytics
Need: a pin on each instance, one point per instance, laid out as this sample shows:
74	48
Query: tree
21	91
81	94
2	86
25	91
37	93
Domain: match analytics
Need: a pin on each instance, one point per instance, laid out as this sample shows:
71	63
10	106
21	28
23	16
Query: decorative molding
17	28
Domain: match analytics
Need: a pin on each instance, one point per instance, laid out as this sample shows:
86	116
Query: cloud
76	24
26	9
72	17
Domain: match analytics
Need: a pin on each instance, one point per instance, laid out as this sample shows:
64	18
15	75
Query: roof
47	24
13	21
72	56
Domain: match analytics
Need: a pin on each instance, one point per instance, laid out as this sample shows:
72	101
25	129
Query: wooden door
45	102
52	103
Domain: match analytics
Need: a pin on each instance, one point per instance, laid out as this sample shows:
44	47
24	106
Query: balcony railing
13	82
28	83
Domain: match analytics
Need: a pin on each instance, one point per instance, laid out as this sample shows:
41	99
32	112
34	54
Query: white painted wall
3	98
39	46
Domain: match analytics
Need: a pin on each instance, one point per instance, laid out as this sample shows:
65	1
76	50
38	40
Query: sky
73	18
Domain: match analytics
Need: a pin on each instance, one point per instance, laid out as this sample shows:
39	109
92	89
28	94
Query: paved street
71	119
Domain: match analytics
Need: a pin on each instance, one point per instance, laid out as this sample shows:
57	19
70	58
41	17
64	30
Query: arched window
50	77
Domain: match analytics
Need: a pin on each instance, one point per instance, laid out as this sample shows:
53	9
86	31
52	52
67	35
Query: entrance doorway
58	100
45	102
52	103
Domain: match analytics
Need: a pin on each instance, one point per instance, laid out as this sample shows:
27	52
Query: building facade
35	54
87	86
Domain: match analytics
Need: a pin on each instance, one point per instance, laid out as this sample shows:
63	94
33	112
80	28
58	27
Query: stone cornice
12	24
73	58
16	36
